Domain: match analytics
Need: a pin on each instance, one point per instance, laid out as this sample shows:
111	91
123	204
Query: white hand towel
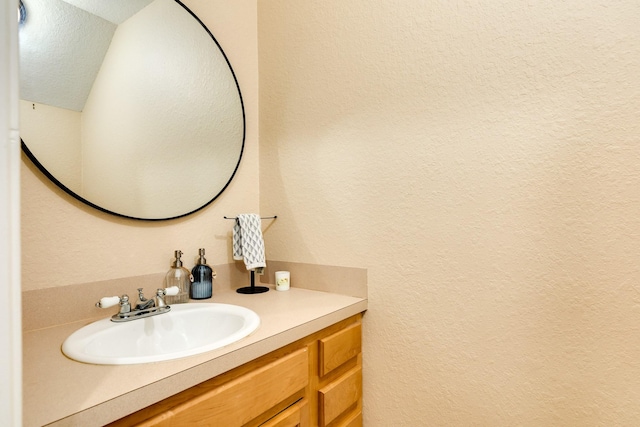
248	243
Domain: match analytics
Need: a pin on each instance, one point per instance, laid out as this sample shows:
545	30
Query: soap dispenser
180	277
203	275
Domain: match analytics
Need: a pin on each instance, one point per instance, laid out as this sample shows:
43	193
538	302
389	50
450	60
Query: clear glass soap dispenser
180	277
203	275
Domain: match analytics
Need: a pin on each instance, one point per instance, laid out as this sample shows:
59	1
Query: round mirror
130	106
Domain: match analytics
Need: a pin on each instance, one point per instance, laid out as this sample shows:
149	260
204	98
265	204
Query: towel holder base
253	289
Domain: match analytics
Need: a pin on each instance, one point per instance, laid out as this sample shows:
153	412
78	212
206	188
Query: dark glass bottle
203	275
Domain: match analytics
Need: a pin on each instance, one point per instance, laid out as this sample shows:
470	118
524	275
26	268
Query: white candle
283	280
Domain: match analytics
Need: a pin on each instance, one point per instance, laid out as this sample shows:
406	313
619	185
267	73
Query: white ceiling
62	46
116	11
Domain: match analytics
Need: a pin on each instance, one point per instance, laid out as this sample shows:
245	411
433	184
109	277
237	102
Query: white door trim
10	285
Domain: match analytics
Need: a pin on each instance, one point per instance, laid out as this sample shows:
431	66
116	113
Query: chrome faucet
144	307
144	303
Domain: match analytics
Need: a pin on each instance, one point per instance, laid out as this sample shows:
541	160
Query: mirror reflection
129	105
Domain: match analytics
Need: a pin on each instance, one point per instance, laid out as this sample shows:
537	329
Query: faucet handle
107	302
161	293
173	290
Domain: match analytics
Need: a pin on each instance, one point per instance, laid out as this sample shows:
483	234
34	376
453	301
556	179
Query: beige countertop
62	392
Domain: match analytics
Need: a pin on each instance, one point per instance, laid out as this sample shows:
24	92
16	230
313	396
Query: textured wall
65	243
49	73
46	124
481	160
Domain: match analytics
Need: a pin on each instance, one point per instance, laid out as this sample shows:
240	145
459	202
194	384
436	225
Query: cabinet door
354	420
243	399
296	415
340	347
340	395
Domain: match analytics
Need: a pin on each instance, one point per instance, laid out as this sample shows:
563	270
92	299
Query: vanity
302	366
316	381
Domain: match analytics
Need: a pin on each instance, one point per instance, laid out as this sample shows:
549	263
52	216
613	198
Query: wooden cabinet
297	415
316	381
340	378
338	348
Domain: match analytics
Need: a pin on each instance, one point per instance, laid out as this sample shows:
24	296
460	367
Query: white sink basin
186	330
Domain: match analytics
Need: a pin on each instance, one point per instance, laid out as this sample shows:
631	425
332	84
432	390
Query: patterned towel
248	243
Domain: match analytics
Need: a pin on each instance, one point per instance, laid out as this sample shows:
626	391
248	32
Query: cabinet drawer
340	395
340	347
355	420
242	399
296	415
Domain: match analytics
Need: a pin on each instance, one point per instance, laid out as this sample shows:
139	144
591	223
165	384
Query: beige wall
49	123
65	243
481	160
